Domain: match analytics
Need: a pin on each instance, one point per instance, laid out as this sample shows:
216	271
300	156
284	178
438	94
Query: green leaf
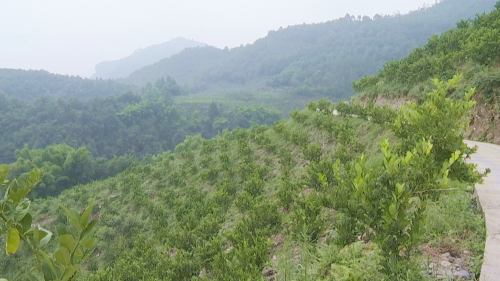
70	272
61	230
45	236
408	157
47	270
21	210
78	253
35	176
4	170
12	240
67	241
71	217
88	229
26	222
88	242
9	212
400	188
62	256
358	169
393	210
84	220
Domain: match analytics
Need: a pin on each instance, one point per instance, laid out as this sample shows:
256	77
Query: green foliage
75	243
114	126
28	85
472	46
222	208
312	59
391	200
449	119
64	166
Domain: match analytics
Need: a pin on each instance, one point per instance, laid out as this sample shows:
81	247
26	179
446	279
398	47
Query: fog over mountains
124	67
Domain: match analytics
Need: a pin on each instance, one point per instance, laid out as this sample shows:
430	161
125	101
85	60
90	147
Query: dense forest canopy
312	59
28	85
124	124
472	48
76	141
122	68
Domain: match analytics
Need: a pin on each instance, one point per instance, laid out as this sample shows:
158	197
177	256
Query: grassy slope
185	213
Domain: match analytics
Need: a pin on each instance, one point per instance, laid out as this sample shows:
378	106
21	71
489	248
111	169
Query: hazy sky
71	37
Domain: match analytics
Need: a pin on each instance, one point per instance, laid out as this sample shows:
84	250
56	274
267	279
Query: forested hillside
472	49
313	197
96	131
30	84
122	68
312	59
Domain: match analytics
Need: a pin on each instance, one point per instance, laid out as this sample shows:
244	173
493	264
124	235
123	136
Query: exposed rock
432	265
203	272
268	271
446	256
277	240
445	264
442	272
462	273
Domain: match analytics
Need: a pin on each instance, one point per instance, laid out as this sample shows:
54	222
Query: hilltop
122	68
28	85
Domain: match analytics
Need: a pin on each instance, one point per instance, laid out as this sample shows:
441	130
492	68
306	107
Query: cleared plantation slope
247	205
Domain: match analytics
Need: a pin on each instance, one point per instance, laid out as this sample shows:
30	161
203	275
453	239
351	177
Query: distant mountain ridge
312	59
28	85
122	68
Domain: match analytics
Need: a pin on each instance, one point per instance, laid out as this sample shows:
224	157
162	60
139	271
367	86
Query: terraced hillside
273	202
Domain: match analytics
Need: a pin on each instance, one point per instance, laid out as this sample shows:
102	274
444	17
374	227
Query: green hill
471	49
276	201
313	60
28	85
122	68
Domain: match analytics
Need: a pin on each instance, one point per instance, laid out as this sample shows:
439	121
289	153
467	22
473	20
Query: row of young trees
222	232
214	208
